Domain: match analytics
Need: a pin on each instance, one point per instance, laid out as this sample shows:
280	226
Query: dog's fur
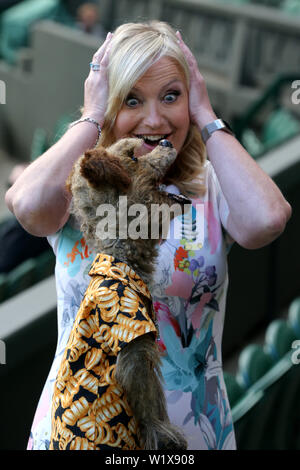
98	177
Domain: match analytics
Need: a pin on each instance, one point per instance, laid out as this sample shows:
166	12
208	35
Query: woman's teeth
152	139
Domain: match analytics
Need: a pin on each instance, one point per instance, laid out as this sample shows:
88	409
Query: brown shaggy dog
100	177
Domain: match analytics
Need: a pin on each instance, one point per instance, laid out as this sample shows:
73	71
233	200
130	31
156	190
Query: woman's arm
258	212
38	198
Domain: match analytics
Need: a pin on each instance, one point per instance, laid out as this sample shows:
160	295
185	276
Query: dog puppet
108	392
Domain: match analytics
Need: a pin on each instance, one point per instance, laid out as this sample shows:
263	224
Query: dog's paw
170	444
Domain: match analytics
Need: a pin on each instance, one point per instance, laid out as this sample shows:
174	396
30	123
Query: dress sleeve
53	240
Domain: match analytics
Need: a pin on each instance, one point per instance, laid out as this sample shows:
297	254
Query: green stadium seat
266	415
234	390
44	265
280	126
40	140
291	6
237	2
36	269
39	143
279	338
3	287
254	362
5	4
3	276
268	3
5	219
27	274
61	127
252	143
16	22
20	278
294	316
288	6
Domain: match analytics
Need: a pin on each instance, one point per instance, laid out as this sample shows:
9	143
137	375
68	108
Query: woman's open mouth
151	141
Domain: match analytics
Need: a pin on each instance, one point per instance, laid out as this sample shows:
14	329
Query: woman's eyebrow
175	80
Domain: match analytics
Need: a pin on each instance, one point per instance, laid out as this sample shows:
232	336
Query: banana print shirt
189	298
89	408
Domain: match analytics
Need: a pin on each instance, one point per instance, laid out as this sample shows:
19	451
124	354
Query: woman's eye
131	102
171	97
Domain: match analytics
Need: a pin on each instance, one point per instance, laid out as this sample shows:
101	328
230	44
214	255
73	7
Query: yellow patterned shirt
89	409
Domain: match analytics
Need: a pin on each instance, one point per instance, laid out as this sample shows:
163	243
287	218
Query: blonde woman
144	81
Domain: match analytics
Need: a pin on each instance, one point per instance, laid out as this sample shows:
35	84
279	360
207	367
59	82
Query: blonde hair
134	48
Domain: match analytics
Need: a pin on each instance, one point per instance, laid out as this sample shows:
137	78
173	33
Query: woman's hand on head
96	84
38	198
201	111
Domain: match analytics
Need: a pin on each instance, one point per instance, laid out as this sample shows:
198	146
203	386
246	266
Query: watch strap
217	125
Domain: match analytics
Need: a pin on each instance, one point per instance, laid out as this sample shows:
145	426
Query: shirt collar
109	266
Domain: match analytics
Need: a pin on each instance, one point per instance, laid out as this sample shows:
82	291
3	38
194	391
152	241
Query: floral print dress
189	298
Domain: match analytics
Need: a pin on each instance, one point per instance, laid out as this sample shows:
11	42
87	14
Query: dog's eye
130	154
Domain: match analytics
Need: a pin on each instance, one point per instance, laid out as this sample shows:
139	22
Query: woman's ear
100	168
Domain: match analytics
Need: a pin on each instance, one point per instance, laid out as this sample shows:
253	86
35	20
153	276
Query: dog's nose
165	143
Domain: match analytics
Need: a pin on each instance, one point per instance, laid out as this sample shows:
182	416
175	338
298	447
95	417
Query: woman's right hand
96	84
38	198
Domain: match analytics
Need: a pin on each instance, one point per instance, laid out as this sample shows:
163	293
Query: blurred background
249	54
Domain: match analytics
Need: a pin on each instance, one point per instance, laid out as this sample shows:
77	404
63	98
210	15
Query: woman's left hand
201	112
258	211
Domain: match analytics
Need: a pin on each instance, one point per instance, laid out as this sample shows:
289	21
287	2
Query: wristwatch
217	125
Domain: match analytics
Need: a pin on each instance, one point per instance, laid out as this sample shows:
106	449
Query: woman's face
157	107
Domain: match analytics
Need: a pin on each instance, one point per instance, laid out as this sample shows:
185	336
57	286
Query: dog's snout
165	143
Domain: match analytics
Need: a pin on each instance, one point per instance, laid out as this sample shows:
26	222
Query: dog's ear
99	167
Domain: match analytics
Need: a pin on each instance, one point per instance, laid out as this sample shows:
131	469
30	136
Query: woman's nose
153	118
